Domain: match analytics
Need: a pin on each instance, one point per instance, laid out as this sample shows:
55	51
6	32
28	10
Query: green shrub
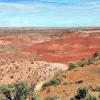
89	61
19	89
71	66
84	62
35	97
92	58
81	93
54	82
51	82
6	90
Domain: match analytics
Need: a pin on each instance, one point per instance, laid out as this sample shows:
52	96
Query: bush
81	93
92	58
71	66
95	54
89	61
16	91
6	90
35	97
54	82
51	82
22	90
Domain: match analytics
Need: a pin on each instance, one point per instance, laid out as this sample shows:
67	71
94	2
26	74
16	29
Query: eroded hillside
35	56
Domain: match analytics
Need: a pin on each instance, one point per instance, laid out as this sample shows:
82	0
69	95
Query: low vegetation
71	66
79	82
51	82
86	94
34	97
16	91
84	62
81	93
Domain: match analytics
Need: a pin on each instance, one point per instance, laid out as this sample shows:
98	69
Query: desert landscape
69	58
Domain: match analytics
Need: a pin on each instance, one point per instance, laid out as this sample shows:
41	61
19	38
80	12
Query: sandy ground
90	75
31	72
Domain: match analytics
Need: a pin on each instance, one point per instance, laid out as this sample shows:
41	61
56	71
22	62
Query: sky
49	13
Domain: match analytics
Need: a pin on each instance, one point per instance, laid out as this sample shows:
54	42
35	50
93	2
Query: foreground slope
71	80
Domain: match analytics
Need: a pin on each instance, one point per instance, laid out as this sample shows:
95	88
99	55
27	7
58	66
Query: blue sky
49	13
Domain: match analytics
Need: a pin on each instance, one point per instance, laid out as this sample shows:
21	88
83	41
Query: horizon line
52	27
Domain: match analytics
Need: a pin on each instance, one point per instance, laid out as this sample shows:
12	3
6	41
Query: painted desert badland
57	62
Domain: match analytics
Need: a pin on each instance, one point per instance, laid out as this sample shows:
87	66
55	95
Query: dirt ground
35	55
90	75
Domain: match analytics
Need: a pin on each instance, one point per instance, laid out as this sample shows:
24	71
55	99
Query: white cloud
6	8
17	5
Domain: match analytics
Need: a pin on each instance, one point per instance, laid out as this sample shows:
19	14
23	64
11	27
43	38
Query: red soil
54	46
71	48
